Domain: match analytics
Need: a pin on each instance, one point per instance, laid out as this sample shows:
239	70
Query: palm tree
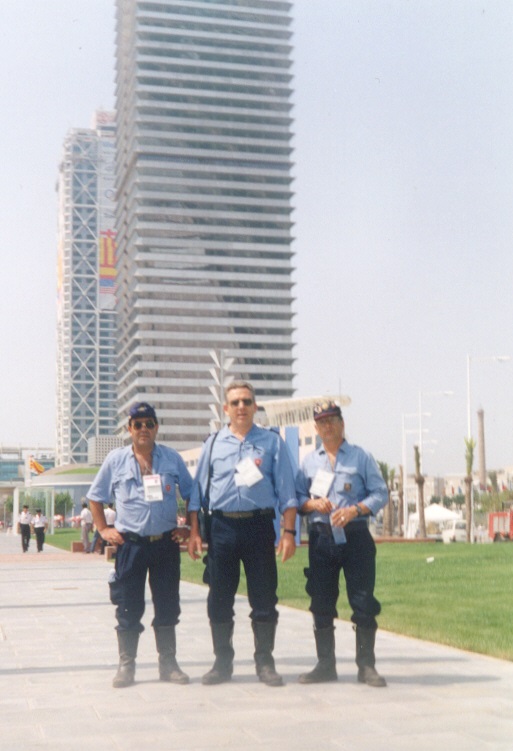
400	521
387	526
419	479
391	486
470	445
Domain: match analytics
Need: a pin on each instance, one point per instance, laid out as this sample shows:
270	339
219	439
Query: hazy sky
403	210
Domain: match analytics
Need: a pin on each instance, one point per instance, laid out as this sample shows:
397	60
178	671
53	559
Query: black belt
133	537
243	514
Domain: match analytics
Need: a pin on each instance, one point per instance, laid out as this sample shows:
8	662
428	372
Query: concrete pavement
58	656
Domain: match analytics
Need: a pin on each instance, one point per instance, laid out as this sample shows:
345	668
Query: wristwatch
359	510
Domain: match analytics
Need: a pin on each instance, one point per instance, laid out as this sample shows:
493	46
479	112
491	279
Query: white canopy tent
433	514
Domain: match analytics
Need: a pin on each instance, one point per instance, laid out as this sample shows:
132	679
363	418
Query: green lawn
463	598
62	538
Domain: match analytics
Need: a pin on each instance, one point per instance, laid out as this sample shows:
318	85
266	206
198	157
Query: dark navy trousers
357	558
250	541
40	537
160	560
25	536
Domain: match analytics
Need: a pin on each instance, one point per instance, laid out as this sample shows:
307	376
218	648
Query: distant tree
400	520
63	504
7	508
470	445
27	500
493	481
388	474
387	511
181	504
495	501
458	500
443	501
419	479
391	486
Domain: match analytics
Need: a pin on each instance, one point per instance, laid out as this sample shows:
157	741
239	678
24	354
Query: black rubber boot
365	640
165	637
222	669
127	645
264	644
326	668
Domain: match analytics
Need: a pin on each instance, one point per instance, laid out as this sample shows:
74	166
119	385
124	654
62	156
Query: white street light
421	394
420	433
221	379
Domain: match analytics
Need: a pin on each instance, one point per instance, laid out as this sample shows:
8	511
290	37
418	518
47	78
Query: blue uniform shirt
269	453
120	481
356	479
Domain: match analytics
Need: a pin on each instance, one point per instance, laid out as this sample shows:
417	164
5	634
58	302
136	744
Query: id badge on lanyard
152	488
247	473
321	484
320	487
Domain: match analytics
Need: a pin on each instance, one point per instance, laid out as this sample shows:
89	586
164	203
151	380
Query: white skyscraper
86	318
204	203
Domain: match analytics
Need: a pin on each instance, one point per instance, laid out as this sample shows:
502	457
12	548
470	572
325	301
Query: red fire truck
500	525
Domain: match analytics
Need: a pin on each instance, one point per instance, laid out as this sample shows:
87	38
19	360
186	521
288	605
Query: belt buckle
154	538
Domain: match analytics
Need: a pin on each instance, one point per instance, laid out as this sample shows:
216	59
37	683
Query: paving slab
58	656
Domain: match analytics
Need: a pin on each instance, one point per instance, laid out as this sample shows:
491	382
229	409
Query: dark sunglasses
138	424
245	402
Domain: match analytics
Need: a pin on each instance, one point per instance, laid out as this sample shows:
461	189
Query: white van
455	531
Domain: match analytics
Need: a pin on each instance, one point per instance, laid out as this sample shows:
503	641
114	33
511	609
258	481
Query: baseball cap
326	409
142	409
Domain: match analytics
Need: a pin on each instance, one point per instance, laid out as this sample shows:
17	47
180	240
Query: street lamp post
222	365
421	394
491	358
421	430
405	480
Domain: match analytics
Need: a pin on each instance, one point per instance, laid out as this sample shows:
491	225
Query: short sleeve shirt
120	481
356	478
223	452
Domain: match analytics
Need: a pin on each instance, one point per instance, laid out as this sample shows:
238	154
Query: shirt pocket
262	460
126	487
169	483
347	482
169	508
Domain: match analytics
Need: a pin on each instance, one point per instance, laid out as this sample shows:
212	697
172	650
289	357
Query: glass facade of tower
86	318
204	203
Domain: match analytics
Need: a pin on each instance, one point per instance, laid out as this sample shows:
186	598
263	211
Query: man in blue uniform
141	479
244	476
339	485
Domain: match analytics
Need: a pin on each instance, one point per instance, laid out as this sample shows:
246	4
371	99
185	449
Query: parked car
455	531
